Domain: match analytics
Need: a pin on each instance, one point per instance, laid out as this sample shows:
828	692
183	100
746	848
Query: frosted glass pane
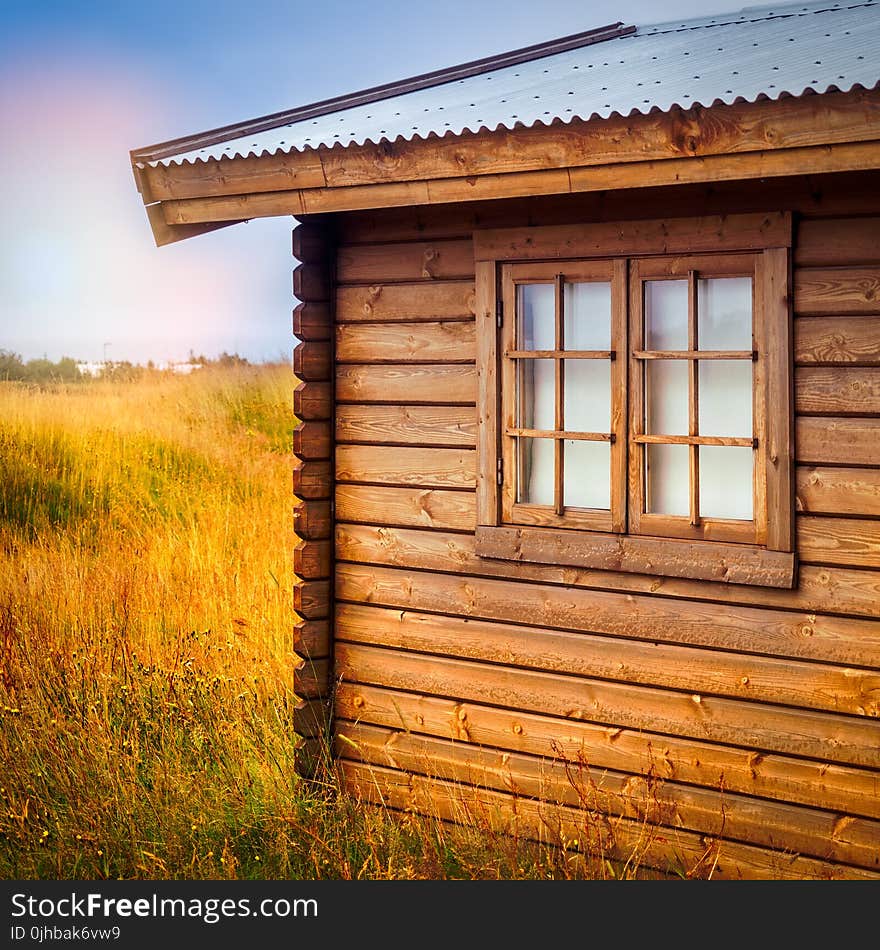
726	398
588	316
666	397
668	480
726	482
536	307
537	394
536	469
666	315
587	395
587	474
724	313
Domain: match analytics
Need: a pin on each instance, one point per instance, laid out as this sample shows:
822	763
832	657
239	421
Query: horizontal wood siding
733	717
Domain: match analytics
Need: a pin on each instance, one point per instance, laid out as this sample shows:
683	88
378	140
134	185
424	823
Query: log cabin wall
313	489
741	720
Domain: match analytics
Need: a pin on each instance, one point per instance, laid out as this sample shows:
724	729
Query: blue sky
82	83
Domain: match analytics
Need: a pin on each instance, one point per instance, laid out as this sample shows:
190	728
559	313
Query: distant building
93	368
97	368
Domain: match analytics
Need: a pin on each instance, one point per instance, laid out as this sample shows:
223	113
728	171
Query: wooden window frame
761	552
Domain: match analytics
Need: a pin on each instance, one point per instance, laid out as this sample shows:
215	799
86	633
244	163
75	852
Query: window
635	406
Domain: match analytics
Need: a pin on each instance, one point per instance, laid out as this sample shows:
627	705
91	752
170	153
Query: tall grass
146	689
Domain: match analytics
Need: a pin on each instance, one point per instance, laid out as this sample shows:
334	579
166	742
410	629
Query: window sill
697	560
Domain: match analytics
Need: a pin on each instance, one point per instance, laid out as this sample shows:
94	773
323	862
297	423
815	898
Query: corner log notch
313	487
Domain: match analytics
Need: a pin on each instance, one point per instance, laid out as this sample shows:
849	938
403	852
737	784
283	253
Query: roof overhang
766	92
811	134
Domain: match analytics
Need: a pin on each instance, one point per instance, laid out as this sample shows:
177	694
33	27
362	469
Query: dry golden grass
145	651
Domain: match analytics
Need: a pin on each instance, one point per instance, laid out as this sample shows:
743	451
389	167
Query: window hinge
499	471
499	313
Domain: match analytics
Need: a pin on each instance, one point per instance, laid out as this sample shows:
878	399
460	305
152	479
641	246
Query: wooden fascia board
165	233
831	118
817	159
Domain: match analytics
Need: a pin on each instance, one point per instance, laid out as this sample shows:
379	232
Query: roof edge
153	153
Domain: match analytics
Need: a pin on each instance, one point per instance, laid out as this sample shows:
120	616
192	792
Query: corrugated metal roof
758	52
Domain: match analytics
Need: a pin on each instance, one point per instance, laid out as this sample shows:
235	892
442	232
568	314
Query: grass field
145	650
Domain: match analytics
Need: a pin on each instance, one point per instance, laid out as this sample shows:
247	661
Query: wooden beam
800	616
786	730
514	814
834	688
813	160
781	125
783	778
703	560
717	812
164	233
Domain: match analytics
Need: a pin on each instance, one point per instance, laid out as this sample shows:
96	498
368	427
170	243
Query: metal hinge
499	471
499	313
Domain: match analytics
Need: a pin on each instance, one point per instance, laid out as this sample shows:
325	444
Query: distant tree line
13	367
38	371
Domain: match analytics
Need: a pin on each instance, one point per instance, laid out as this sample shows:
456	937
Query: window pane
666	397
724	313
535	466
667	478
587	474
536	308
537	394
726	489
726	398
587	395
666	315
588	316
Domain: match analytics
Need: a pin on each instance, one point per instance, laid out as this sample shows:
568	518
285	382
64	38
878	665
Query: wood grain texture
416	507
820	591
311	719
414	425
417	383
313	560
311	638
838	441
676	135
435	260
837	290
837	339
754	726
310	677
760	679
775	622
630	239
838	491
848	541
426	467
812	159
312	480
822	785
665	804
313	361
837	241
556	824
311	282
313	440
313	321
698	560
449	342
312	599
446	300
809	195
839	390
313	400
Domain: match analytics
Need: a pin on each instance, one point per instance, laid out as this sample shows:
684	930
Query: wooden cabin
588	451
